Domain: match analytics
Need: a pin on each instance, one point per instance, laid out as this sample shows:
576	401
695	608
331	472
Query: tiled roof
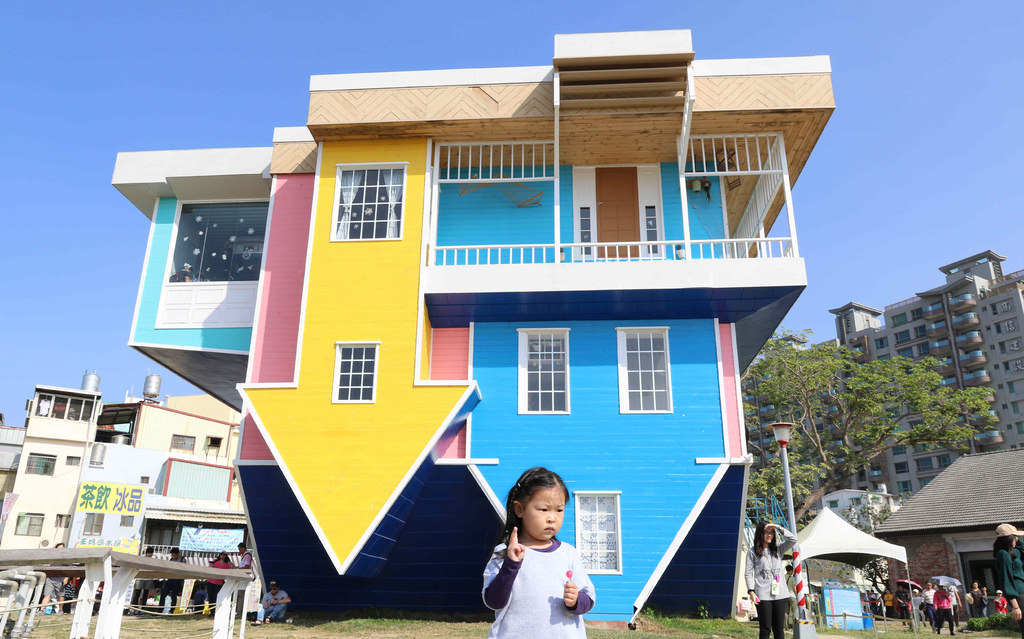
975	491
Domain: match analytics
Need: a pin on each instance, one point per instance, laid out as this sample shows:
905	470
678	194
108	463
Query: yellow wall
348	459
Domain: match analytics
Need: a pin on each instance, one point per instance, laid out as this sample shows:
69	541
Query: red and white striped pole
804	626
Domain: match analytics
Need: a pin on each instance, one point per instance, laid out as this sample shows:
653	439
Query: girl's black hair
759	540
1003	543
528	483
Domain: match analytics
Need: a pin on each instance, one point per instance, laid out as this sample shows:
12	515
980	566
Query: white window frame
337	371
169	266
369	166
617	494
30	518
524	345
89	525
624	373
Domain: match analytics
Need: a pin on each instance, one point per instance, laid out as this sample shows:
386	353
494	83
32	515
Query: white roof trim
444	77
292	134
623	44
762	66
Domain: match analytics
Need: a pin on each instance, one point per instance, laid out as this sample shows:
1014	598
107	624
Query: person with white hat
1010	569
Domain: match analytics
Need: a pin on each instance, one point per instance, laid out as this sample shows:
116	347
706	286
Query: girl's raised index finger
514	537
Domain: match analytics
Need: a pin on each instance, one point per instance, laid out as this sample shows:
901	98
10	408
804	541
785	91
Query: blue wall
437	561
705	217
232	339
650	458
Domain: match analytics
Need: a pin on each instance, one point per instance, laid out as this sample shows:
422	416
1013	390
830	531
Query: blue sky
920	164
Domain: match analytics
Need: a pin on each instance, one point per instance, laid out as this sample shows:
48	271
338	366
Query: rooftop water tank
91	382
151	389
99	453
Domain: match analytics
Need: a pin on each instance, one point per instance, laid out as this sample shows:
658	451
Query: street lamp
804	627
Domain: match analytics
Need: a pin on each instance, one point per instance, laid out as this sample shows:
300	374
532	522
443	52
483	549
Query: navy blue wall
705	564
436	563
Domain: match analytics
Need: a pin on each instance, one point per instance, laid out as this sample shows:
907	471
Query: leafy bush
997	621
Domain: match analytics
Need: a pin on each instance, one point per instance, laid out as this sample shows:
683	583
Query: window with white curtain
598	531
369	203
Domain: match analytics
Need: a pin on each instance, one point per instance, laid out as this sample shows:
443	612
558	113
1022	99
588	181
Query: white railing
757	154
488	162
591	252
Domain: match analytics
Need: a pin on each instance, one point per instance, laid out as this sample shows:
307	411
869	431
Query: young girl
536	584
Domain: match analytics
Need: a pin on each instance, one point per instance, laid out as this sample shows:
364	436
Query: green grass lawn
385	624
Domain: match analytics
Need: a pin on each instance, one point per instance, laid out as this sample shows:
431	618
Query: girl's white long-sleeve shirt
767	569
535	607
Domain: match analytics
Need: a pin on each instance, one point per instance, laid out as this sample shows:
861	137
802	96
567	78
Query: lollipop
568	574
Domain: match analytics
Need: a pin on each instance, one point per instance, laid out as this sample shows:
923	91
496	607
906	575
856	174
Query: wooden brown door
618	215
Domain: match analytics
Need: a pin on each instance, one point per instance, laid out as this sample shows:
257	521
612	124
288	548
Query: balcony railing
977	378
939	347
933	311
938	328
972	358
969	339
588	252
966	320
964	301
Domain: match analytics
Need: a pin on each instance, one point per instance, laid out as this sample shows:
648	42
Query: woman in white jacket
766	577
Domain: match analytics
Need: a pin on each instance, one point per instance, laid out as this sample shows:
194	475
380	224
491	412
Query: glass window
855	501
62	521
906	352
943	461
29	524
59	407
899	450
544	371
93	526
183	442
899	319
73	461
214	443
925	464
355	373
881	342
903	486
833	503
219	242
40	464
903	336
917	313
127	521
884	357
598	538
923	349
369	204
924	481
644	380
919	331
902	467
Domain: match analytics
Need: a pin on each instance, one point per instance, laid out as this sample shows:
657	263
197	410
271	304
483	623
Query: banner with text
211	539
120	499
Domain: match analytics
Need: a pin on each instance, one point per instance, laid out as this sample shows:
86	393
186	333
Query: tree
847	413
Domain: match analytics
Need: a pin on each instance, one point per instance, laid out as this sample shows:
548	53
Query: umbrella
947	581
907	581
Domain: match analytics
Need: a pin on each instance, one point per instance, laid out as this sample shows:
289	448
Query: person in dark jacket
1010	569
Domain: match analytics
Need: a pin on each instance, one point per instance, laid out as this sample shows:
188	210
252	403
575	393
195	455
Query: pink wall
449	353
277	327
253	446
456	446
734	434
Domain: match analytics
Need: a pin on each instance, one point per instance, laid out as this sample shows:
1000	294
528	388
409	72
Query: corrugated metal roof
195	516
971	493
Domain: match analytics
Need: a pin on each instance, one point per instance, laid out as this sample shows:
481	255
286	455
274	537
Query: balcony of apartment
965	321
715	239
969	339
973	358
936	329
940	347
989	438
945	366
933	311
962	302
948	381
977	378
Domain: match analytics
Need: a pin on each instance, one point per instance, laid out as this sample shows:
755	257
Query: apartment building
972	324
447	277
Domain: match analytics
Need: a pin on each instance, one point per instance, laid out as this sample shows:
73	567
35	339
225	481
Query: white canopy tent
830	536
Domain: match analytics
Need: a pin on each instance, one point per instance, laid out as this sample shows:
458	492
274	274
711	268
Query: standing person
140	593
1010	569
766	583
977	602
172	587
274	605
244	557
956	601
889	600
929	603
1000	602
213	585
944	611
985	599
917	606
902	602
537	585
53	590
791	600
